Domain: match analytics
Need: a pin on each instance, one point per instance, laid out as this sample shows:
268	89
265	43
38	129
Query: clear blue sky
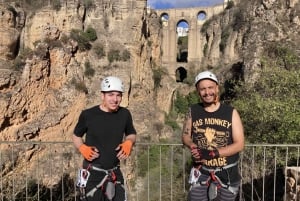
165	4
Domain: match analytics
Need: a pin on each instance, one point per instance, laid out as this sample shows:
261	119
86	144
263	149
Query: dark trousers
200	190
100	196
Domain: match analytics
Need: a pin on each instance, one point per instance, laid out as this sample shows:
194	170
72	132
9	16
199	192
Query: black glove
208	154
195	153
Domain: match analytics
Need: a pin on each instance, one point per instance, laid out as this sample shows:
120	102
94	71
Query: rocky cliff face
239	37
40	94
44	82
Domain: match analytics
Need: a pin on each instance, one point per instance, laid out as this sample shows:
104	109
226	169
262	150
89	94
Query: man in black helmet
214	134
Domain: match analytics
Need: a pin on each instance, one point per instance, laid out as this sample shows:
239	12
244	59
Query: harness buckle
194	175
82	178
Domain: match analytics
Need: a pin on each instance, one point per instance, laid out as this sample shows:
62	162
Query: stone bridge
178	61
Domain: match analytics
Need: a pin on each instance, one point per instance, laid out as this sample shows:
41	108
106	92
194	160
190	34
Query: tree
270	109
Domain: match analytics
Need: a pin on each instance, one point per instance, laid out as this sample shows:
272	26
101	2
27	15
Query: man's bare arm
187	130
237	136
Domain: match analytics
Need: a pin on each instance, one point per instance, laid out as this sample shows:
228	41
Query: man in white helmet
214	134
109	136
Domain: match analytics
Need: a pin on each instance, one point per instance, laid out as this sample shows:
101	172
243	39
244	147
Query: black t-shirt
105	131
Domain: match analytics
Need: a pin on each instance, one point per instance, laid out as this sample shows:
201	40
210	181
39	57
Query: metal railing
33	171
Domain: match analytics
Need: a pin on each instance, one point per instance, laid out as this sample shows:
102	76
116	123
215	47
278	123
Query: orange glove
87	151
126	147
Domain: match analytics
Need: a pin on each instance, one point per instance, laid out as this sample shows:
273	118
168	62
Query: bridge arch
181	74
182	29
201	15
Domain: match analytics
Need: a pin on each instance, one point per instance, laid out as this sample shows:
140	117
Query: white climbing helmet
206	75
112	83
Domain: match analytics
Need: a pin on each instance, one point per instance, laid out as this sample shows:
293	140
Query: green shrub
35	4
113	55
157	76
180	107
182	103
170	120
207	23
89	71
18	64
205	26
20	60
90	34
230	4
190	79
125	55
88	4
13	10
53	43
239	20
183	42
205	49
282	55
106	22
224	37
41	51
83	38
56	4
83	42
270	109
79	85
64	38
99	50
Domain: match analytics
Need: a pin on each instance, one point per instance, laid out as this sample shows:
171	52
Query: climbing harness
107	184
213	182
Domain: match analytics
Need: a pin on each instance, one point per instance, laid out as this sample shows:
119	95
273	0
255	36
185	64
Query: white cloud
182	3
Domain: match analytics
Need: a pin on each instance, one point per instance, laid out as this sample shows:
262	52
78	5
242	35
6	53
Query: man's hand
89	153
208	154
195	153
124	149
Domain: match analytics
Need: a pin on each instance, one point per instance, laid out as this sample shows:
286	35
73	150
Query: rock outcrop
292	175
